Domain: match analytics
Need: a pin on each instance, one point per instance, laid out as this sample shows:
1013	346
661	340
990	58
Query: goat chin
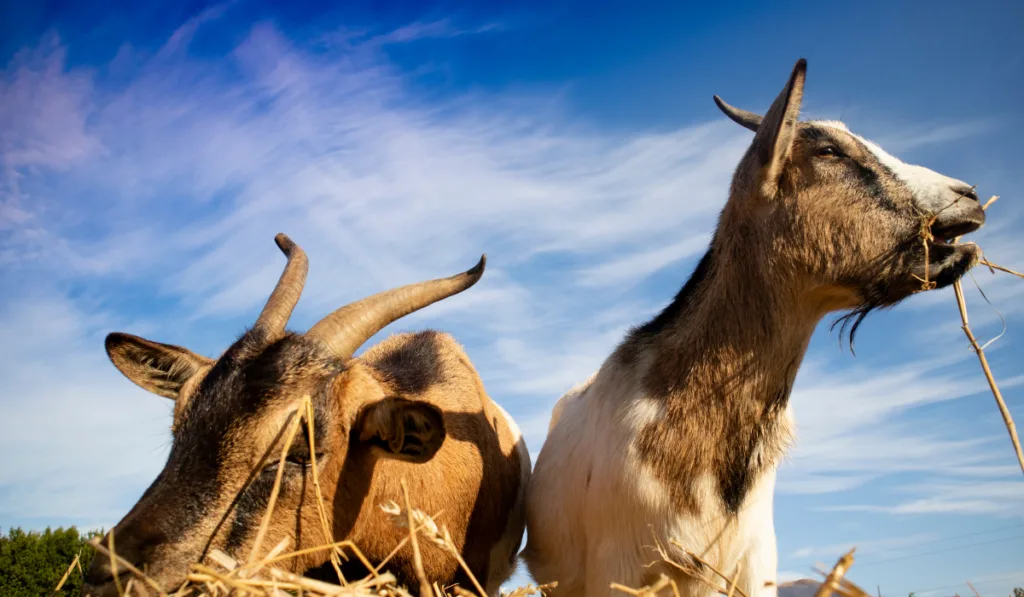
948	263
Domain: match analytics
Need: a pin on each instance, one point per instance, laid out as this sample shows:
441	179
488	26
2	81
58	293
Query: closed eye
299	460
829	151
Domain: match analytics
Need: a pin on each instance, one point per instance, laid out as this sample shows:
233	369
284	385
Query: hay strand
735	579
113	563
417	558
708	565
67	573
831	582
1007	270
1011	428
98	546
321	509
265	524
976	593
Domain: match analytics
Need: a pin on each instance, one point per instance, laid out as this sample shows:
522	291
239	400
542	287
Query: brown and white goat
679	433
411	407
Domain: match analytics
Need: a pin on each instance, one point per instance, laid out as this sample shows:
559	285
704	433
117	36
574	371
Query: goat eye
300	460
828	152
303	459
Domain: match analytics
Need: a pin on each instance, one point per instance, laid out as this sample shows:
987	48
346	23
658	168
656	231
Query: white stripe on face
932	191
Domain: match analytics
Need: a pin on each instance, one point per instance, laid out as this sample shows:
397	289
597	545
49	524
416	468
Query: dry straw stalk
1011	428
958	290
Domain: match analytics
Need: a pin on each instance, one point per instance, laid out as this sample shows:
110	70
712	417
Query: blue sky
150	154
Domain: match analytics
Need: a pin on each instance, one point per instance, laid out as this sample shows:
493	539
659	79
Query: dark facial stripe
870	181
816	134
870	174
249	511
240	385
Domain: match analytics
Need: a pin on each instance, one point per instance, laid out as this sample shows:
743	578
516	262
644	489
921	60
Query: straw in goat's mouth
979	350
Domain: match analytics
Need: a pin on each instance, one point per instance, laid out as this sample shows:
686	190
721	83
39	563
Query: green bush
32	563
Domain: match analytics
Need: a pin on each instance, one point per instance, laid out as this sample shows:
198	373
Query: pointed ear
404	429
743	118
773	143
159	368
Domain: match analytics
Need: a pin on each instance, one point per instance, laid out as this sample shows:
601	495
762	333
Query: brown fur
412	407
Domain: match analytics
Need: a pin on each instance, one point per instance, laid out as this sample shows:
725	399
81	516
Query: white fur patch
932	191
596	508
569	396
512	426
835	124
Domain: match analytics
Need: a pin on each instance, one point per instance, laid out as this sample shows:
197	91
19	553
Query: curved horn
741	117
346	329
282	301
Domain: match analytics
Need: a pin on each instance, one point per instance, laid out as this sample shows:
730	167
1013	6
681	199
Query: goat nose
131	542
101	571
965	192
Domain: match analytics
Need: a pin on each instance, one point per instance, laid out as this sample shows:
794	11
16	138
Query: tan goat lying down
411	407
679	433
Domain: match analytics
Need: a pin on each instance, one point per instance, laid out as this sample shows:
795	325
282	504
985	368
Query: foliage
32	563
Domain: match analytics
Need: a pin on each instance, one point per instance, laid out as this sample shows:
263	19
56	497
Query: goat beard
902	273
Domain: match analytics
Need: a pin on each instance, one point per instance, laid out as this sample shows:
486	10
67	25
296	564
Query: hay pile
226	576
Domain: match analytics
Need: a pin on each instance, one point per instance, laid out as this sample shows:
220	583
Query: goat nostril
98	575
100	572
967	193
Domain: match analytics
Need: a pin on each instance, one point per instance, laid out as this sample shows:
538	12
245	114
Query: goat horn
282	301
346	329
741	117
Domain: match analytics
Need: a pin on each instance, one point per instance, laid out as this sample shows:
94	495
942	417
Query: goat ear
743	118
159	368
773	143
404	429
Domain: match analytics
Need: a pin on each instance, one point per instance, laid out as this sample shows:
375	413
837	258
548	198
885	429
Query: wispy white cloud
82	440
915	137
633	268
1002	498
887	545
44	109
853	428
42	117
998	583
441	28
